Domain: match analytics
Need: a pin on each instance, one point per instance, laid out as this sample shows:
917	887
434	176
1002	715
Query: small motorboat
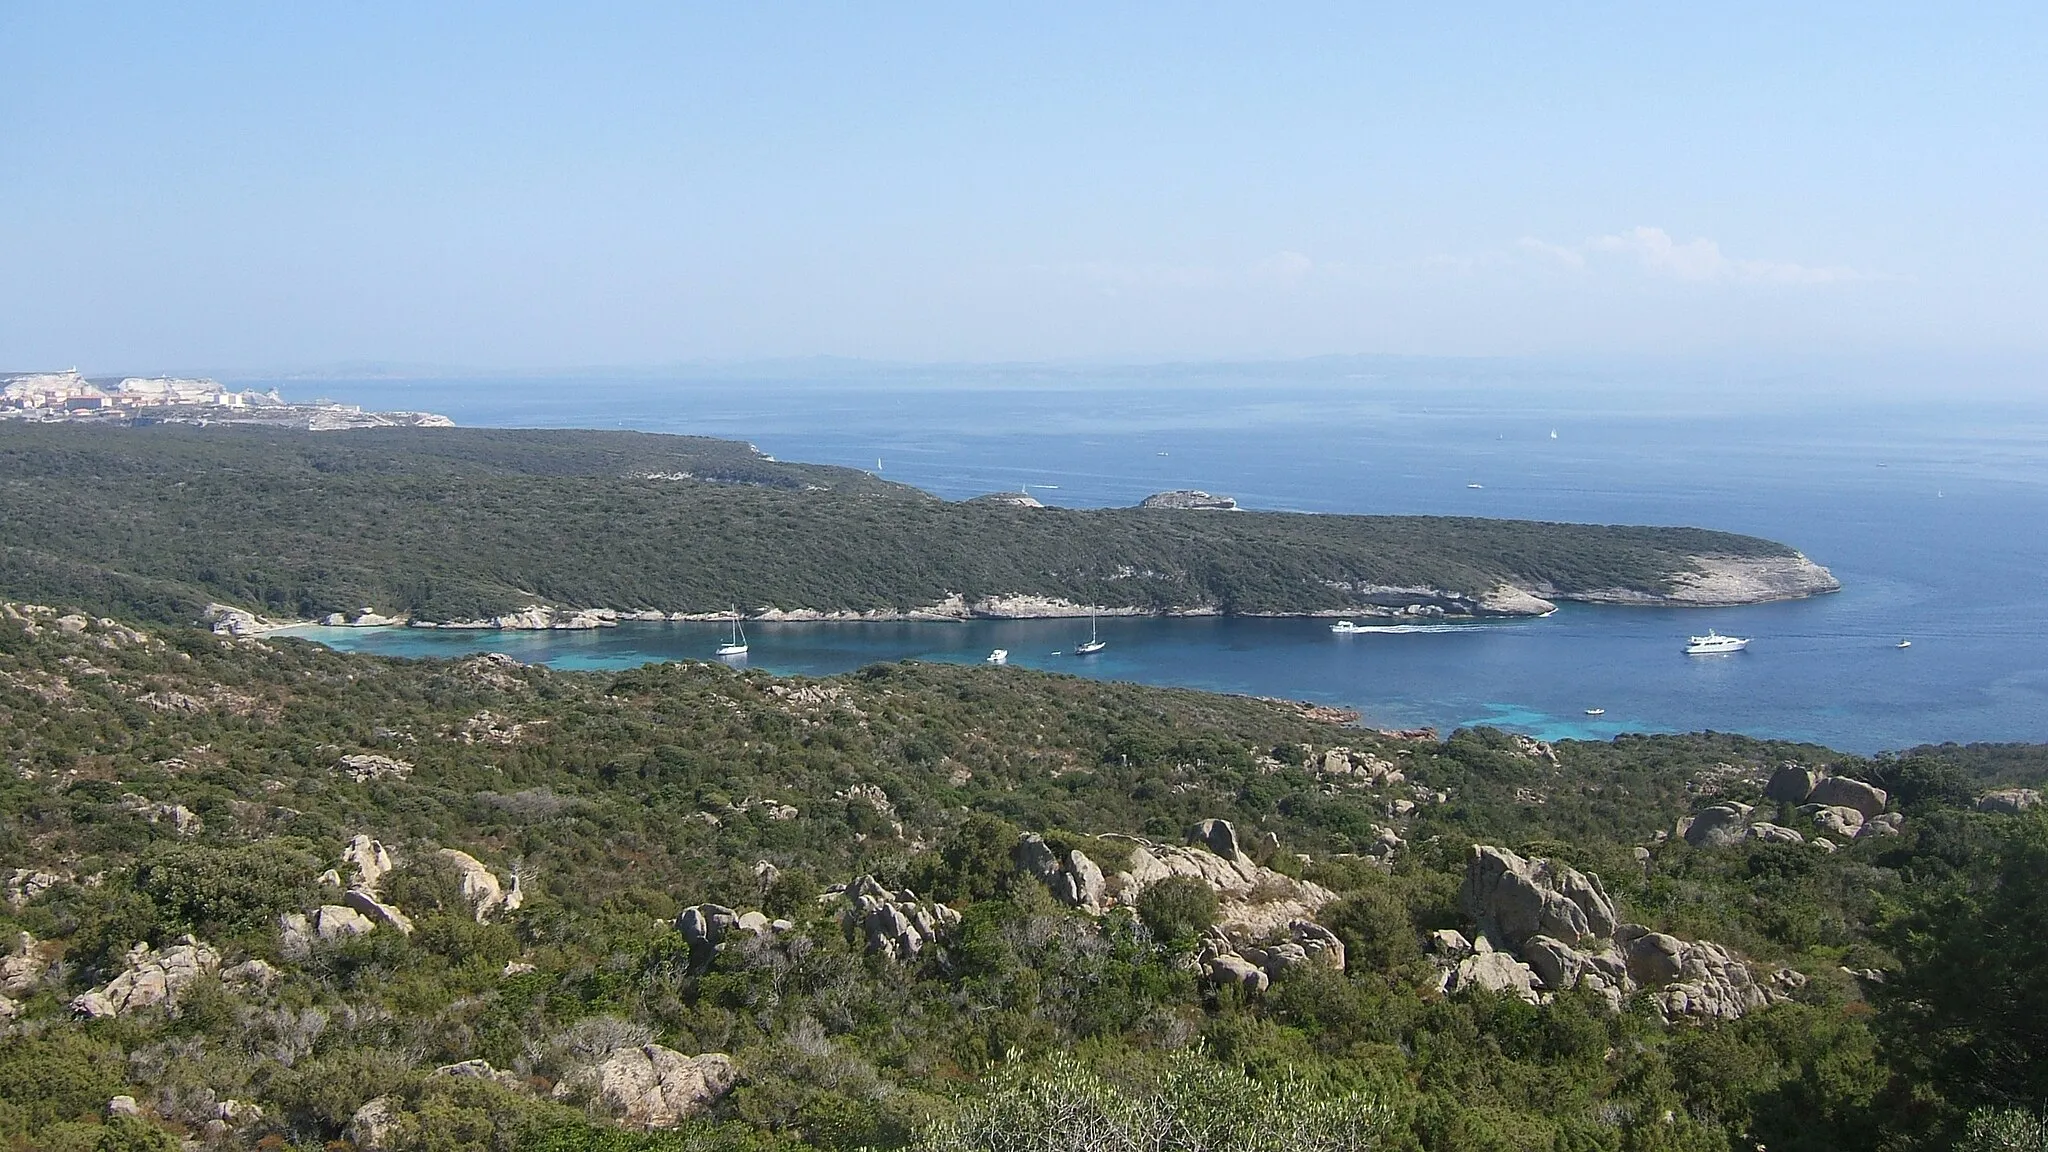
1596	711
999	656
1475	485
1903	644
1345	628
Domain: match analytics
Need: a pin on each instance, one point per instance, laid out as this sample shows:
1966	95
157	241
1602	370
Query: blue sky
284	186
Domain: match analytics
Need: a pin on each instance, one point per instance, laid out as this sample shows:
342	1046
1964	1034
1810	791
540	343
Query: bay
1929	512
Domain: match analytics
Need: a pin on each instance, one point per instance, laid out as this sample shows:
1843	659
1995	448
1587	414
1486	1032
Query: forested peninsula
482	527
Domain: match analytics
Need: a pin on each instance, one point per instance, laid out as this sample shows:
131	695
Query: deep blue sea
1931	513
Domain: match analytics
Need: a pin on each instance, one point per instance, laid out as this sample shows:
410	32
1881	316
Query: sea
1927	500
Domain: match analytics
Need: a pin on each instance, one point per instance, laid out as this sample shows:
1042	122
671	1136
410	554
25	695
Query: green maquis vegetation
463	524
259	894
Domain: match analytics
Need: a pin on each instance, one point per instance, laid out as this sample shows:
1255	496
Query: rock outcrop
485	896
652	1087
1842	792
376	1126
1545	928
1252	901
150	977
1791	783
1073	878
897	925
2009	800
1513	899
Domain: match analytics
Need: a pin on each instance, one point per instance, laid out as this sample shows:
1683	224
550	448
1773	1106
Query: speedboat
1345	628
1904	644
737	646
999	656
1596	711
1713	644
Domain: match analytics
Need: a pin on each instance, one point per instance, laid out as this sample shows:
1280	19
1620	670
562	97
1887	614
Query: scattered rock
1886	824
150	977
376	1126
123	1106
517	968
250	976
482	1070
22	970
1842	792
365	767
26	884
652	1087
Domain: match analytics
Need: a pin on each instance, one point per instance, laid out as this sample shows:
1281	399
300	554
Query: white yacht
1345	628
999	656
737	646
1713	643
1095	644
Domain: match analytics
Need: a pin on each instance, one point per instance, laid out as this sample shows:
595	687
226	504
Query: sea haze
1930	515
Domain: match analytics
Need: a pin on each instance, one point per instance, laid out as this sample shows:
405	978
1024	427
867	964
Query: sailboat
737	646
1094	644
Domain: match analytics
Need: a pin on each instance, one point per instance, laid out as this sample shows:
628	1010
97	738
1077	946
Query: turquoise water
1931	516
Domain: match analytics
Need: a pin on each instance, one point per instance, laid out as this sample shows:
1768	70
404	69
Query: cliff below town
531	529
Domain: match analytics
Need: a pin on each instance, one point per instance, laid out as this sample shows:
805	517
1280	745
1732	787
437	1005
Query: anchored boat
1713	644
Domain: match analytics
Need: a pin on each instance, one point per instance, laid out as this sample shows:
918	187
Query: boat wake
1410	629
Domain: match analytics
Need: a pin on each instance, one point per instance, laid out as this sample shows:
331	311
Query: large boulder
1774	834
1514	899
1556	963
2009	800
376	911
1791	784
704	927
1719	826
1236	972
1495	972
1842	792
1839	821
1653	957
368	861
481	890
1218	836
652	1087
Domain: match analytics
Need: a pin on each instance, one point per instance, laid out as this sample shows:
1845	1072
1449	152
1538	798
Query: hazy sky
296	185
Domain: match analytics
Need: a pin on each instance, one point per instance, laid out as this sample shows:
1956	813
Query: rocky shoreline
1716	581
